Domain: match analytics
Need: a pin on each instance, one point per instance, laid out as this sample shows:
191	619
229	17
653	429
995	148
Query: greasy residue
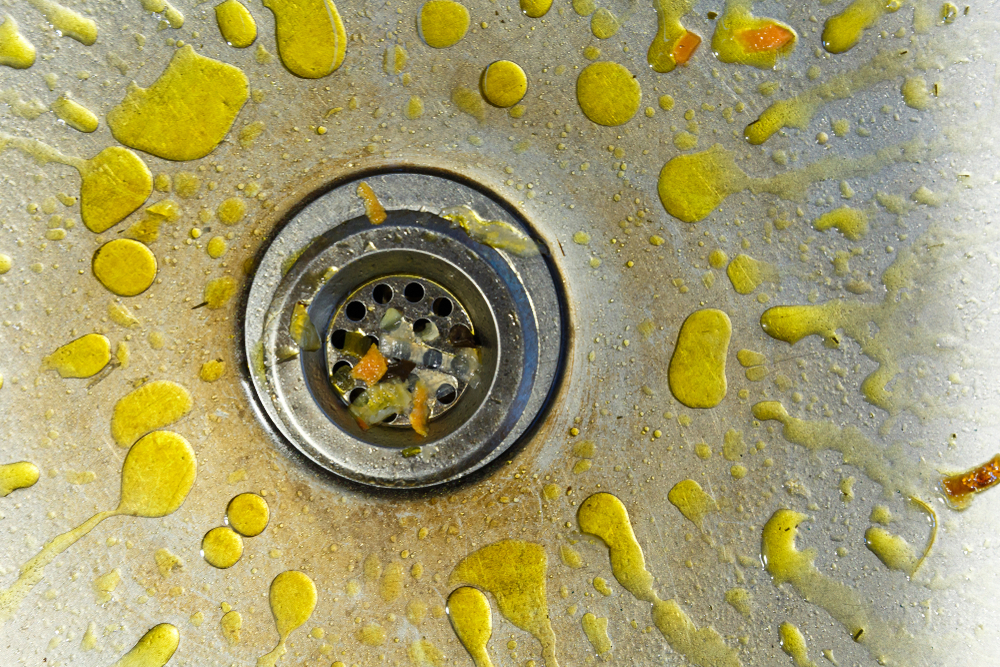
248	514
373	207
222	547
596	630
673	44
150	407
697	372
692	501
842	31
960	488
293	599
310	36
442	23
794	644
154	649
125	267
503	83
471	618
15	49
494	233
18	475
608	93
745	39
68	22
236	24
81	358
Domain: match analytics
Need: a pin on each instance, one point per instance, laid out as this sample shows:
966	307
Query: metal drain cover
481	321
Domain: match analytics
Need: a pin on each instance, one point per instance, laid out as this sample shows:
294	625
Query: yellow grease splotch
222	547
851	222
893	550
186	112
916	94
391	585
105	585
150	407
740	37
236	24
692	186
534	9
503	83
422	654
514	571
739	599
442	23
212	370
469	101
15	49
248	514
372	634
608	94
293	598
604	24
157	474
231	211
842	31
154	649
173	16
18	475
68	22
604	516
786	564
81	358
310	36
794	644
472	620
125	267
596	630
121	315
394	59
74	114
688	497
673	44
231	624
373	207
302	330
746	273
697	372
167	562
494	233
114	183
218	292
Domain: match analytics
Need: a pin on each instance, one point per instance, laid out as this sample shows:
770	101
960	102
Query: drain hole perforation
382	293
414	292
355	311
442	306
353	396
446	394
338	338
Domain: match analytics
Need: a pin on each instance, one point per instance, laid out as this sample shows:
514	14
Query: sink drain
408	353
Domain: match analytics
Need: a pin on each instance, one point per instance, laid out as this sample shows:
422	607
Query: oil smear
157	474
154	649
310	36
114	183
68	22
851	222
697	372
514	571
15	49
373	207
14	476
608	93
248	514
150	407
596	630
843	31
302	330
442	23
125	267
231	624
747	274
604	516
692	186
74	114
293	598
893	550
786	564
503	83
745	39
673	44
692	501
472	620
171	14
794	645
236	24
494	233
186	112
82	358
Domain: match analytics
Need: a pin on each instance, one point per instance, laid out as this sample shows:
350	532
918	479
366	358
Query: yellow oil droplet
218	292
222	547
442	23
231	211
916	93
217	247
171	15
6	263
608	94
471	618
121	315
697	373
692	501
793	323
212	370
66	21
570	556
148	408
15	49
469	101
742	38
154	649
75	114
394	59
186	112
747	274
851	222
794	645
692	186
302	329
310	36
842	31
534	9
514	571
414	108
494	233
596	630
114	183
125	267
373	207
739	599
503	83
18	475
673	44
236	24
604	24
231	624
248	514
167	562
391	585
293	598
81	358
105	585
157	474
372	634
894	551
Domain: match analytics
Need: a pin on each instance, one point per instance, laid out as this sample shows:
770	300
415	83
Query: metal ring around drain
328	253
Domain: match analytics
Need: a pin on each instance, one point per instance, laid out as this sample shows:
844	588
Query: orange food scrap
371	368
418	416
770	38
684	47
959	488
373	207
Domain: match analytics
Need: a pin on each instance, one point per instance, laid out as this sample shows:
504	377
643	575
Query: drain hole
382	293
338	338
446	394
425	330
355	311
357	391
432	359
442	306
460	336
414	292
391	418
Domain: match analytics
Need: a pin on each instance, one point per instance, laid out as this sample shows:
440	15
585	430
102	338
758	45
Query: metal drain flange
453	306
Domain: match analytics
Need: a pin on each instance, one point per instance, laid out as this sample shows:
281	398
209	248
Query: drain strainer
411	352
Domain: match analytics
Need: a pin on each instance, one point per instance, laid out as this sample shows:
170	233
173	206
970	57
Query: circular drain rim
335	220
